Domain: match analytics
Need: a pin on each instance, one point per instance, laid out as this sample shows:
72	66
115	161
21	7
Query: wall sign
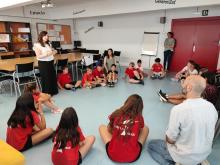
171	2
37	12
205	12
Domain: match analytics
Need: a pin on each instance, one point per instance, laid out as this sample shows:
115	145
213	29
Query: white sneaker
205	162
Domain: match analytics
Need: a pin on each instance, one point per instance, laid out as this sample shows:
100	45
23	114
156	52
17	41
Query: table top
10	64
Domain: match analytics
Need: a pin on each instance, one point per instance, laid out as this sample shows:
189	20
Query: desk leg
73	76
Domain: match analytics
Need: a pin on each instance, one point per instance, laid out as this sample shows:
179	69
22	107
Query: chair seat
25	79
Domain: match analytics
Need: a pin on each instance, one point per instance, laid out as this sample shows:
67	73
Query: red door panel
184	35
206	43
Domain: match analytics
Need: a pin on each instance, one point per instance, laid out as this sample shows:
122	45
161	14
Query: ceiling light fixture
47	4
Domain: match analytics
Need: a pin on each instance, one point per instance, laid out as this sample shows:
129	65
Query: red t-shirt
130	73
99	74
36	96
157	67
64	79
69	155
87	77
123	146
17	137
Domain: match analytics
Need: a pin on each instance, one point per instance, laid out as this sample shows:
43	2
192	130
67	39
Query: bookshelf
15	39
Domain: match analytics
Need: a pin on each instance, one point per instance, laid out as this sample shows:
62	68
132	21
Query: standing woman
45	56
169	44
109	60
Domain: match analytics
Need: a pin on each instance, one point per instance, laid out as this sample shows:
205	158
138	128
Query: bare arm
42	124
105	64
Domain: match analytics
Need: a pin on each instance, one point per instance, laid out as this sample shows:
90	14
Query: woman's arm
105	62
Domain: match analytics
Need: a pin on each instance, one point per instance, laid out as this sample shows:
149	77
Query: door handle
194	48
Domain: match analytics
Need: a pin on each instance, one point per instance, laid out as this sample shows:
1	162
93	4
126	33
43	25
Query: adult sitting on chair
109	60
190	131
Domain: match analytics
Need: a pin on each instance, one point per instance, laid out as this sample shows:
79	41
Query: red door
199	40
206	50
184	36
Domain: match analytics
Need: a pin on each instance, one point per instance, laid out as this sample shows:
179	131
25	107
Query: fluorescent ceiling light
47	4
4	3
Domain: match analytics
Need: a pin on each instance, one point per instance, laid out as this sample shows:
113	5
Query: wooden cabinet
16	38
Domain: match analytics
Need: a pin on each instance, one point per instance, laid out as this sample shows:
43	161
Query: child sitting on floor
65	80
88	79
134	76
44	98
157	70
99	75
112	76
140	68
70	145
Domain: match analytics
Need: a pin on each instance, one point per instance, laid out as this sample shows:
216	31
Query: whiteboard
150	43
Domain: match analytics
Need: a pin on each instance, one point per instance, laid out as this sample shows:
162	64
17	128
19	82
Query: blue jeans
158	151
167	59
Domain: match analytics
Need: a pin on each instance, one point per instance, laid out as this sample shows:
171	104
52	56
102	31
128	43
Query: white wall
125	31
17	15
110	7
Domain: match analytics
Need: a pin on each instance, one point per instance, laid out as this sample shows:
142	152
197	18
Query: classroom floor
93	108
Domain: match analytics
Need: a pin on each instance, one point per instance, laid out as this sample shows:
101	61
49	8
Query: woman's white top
44	51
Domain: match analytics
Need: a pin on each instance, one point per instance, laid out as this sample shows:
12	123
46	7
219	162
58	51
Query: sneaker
161	93
109	84
205	162
73	89
153	77
141	82
174	79
112	84
163	97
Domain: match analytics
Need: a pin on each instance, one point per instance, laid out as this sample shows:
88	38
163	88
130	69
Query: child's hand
39	107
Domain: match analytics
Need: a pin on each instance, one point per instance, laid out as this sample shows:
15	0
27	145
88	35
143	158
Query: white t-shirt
193	72
192	126
44	51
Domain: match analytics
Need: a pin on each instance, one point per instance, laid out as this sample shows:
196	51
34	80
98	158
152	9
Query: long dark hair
23	108
40	38
30	87
111	51
132	108
67	129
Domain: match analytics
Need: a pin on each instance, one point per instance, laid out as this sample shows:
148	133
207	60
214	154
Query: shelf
21	42
23	51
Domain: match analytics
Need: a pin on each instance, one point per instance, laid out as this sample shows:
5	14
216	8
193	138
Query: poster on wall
4	38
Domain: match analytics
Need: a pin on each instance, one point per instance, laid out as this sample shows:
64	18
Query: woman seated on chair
109	60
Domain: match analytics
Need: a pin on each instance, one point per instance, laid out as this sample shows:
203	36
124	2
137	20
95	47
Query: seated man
190	131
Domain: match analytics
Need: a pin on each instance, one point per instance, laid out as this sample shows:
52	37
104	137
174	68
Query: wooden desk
10	64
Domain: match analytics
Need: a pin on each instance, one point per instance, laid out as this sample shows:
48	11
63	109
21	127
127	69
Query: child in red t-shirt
88	79
134	76
65	80
99	75
44	98
126	133
70	145
27	125
140	69
157	70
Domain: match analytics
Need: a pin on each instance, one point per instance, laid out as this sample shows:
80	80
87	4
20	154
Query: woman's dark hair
67	129
139	61
113	65
40	38
132	107
171	33
195	65
210	76
111	51
28	88
22	111
157	60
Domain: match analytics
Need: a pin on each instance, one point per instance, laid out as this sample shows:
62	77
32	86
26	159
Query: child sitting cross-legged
112	76
88	79
134	76
157	70
44	98
99	75
65	80
140	68
70	145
